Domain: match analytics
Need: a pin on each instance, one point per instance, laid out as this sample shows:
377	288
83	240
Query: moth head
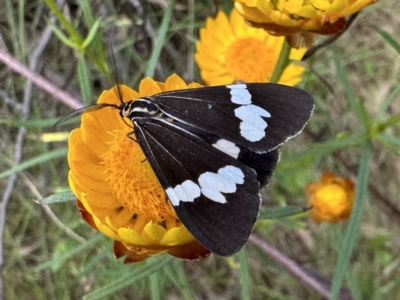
126	108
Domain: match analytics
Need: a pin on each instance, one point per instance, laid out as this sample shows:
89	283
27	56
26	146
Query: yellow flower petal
230	50
300	15
177	236
117	190
154	232
131	236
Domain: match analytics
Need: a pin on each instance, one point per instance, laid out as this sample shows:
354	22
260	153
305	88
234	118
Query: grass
48	252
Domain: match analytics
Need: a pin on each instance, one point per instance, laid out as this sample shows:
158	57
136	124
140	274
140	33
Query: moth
214	149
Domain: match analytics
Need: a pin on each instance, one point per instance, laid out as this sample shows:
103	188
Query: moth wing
256	116
198	178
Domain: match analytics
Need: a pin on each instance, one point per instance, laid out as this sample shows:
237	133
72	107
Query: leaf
59	197
282	63
35	161
352	232
159	43
91	35
388	38
83	78
280	212
139	272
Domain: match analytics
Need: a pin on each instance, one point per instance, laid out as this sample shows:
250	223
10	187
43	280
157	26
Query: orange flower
331	198
229	50
296	18
117	190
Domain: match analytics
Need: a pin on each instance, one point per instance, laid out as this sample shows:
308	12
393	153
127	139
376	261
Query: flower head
284	17
331	198
117	190
229	50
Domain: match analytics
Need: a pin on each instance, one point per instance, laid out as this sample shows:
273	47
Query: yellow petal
177	236
131	236
154	232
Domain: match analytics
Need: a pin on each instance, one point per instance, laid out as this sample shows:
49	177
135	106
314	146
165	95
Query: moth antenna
82	110
112	68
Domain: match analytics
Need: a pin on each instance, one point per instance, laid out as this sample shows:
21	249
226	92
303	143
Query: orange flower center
250	59
133	181
332	199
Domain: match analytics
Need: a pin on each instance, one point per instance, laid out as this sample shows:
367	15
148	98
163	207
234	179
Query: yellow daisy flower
230	51
283	17
331	198
117	190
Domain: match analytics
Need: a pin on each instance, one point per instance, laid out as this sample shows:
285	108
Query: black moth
213	149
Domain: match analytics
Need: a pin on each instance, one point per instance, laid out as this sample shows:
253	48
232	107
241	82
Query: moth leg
130	134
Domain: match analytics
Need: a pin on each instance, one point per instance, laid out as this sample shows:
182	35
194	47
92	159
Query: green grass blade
388	101
84	81
65	23
37	123
390	122
244	277
35	161
282	63
319	150
177	275
59	261
63	38
162	32
92	34
350	95
352	232
280	212
136	273
154	286
388	38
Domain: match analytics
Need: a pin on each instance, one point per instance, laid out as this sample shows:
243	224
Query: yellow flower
117	190
283	17
331	198
229	51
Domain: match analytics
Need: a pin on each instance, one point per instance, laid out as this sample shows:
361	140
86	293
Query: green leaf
244	277
282	62
388	102
390	143
63	38
388	38
319	150
59	261
280	212
59	197
38	123
84	81
35	161
350	95
176	273
389	123
154	286
73	33
91	35
136	273
159	43
352	232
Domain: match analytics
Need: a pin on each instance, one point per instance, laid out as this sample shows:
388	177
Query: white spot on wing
227	147
225	181
252	127
239	93
186	192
